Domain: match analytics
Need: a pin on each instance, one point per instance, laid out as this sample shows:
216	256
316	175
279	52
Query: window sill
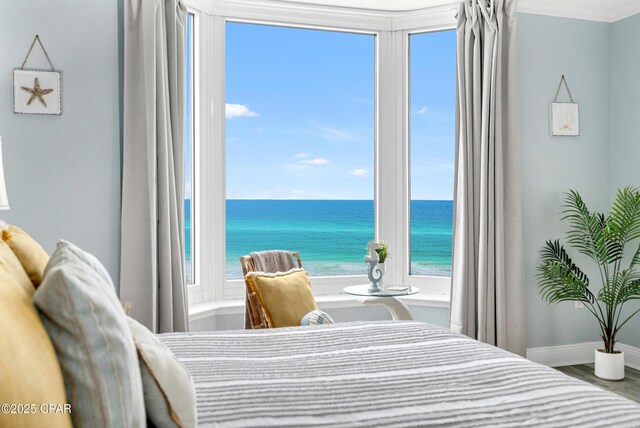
330	301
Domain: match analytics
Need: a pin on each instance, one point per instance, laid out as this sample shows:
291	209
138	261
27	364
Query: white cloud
436	165
358	172
301	155
435	115
238	110
338	135
306	194
315	161
361	100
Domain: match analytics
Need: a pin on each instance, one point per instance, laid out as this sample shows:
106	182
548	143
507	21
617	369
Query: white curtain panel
152	264
487	295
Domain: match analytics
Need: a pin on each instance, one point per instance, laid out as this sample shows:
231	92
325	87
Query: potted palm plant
604	239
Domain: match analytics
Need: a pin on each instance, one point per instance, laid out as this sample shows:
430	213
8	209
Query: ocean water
331	236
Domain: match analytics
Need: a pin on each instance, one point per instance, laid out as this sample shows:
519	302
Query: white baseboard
579	353
563	355
631	355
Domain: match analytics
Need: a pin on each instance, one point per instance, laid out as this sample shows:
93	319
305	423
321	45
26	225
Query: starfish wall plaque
36	92
44	83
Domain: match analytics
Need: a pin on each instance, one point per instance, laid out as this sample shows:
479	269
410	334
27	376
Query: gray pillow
169	393
89	330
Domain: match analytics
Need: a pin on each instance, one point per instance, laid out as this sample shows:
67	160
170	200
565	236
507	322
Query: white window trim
392	217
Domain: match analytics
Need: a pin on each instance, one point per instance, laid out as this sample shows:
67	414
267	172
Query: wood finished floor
628	387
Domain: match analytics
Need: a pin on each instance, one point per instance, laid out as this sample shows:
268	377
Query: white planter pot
609	366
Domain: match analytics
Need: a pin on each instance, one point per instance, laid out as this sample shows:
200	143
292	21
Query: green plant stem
626	320
600	320
618	318
600	310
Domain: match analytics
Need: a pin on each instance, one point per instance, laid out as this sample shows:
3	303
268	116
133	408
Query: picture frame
37	92
565	119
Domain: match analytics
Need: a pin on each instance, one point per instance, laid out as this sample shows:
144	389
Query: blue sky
300	113
432	108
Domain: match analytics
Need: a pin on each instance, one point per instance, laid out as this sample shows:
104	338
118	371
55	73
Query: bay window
317	131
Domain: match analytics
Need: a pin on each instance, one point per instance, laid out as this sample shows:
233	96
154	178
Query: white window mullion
212	152
403	174
195	288
390	156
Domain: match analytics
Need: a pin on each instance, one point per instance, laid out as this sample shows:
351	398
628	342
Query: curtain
487	294
152	265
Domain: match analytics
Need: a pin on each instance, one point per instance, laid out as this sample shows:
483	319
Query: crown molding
440	11
625	9
437	17
591	10
302	14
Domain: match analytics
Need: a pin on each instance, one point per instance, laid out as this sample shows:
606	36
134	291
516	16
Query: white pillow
169	394
85	321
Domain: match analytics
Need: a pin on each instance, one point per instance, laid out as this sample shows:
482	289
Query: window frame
441	284
194	146
391	214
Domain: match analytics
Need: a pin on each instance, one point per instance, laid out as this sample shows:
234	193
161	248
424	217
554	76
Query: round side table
387	298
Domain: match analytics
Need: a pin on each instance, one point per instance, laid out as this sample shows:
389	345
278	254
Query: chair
253	314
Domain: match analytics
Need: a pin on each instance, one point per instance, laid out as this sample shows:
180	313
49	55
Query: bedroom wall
548	48
625	123
63	172
625	103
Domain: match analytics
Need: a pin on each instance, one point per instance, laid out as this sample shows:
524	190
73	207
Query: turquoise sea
331	235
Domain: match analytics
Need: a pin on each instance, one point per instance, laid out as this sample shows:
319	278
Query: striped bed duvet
382	374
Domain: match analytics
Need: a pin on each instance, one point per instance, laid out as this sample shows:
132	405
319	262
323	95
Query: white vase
609	366
381	282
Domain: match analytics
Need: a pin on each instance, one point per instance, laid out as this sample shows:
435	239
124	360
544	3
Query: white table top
363	290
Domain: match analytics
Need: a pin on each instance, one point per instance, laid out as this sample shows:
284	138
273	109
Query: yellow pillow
29	370
285	298
10	267
31	254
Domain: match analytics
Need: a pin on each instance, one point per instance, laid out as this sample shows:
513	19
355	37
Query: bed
382	374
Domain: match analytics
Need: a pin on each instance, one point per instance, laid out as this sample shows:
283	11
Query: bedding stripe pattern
383	374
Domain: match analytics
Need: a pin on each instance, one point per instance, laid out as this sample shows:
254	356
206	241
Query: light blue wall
625	103
602	65
63	173
625	124
549	47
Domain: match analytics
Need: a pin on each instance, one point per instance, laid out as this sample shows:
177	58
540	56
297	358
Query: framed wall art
565	117
37	91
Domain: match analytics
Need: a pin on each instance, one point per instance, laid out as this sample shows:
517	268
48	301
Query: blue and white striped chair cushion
316	317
